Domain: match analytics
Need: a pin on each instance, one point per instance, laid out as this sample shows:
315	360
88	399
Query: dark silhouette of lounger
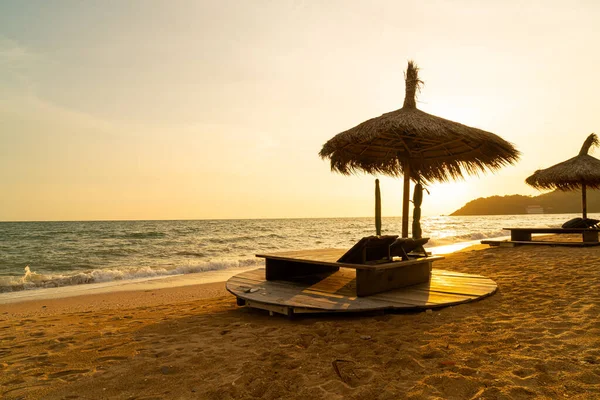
581	223
402	247
380	249
369	249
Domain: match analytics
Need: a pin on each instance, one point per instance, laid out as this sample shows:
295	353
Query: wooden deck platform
335	291
513	243
589	236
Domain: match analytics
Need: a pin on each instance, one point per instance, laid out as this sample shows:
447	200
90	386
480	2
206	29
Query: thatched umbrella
420	146
581	171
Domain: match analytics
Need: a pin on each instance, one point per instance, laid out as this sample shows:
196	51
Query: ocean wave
143	235
190	254
32	280
242	238
466	238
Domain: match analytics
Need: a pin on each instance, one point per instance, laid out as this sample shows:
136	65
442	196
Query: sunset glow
205	110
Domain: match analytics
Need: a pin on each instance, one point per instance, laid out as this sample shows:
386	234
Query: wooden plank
441	279
408	295
512	243
590	236
494	243
337	287
463	291
301	310
301	299
316	254
472	292
369	282
414	298
334	293
520	235
553	230
443	272
344	282
421	299
283	269
269	307
285	293
286	290
327	256
460	290
345	286
417	292
400	264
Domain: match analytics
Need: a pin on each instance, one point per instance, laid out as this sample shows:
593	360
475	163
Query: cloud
19	95
16	65
11	53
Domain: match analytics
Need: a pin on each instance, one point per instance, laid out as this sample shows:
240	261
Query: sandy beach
537	337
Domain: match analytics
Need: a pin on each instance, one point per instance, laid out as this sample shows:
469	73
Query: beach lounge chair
581	223
370	249
371	257
381	249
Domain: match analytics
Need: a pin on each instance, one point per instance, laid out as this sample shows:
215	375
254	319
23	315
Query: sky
218	109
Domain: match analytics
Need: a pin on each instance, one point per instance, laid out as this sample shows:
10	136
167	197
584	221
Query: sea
37	255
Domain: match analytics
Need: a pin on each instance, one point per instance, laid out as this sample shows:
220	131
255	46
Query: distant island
556	202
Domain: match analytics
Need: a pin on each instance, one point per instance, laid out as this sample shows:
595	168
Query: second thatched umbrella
580	172
420	146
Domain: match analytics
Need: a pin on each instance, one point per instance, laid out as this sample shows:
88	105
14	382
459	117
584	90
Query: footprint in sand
40	358
16	381
103	349
305	340
164	353
21	392
456	387
67	373
58	346
111	358
523	372
351	373
588	378
520	392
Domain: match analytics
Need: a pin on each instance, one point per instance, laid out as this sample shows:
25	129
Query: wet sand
537	337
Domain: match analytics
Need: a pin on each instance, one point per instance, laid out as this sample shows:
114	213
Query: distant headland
555	202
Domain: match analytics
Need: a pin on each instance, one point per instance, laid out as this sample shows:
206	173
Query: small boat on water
535	209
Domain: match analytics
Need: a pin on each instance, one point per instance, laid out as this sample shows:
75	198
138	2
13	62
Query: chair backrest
581	223
402	247
370	248
592	223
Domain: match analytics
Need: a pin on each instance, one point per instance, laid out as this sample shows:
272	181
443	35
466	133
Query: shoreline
134	285
168	281
173	289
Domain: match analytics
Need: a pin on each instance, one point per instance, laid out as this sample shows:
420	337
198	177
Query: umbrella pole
583	200
377	208
405	199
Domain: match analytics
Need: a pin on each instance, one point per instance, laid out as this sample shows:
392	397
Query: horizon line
203	219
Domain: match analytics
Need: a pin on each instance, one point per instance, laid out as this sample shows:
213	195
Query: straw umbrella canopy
579	172
417	145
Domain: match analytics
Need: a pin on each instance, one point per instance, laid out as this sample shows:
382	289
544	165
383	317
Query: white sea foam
468	237
33	280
